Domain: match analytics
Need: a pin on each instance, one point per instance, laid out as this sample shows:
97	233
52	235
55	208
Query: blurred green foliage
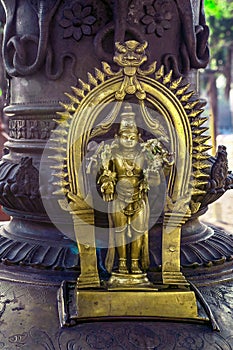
219	8
219	16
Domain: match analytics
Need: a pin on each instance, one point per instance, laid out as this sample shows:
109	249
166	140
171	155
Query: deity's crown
128	123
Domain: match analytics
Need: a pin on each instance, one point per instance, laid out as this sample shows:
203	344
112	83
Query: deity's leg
121	243
139	224
136	247
120	228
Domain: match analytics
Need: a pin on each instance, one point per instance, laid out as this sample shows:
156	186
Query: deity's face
128	140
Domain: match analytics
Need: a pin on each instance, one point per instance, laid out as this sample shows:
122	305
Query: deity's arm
107	176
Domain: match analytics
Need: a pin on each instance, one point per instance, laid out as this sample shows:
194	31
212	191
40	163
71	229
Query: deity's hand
107	189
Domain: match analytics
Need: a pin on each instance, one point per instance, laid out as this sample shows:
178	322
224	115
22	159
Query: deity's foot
123	266
135	269
129	281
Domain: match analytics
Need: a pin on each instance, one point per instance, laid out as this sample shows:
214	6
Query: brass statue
126	169
129	167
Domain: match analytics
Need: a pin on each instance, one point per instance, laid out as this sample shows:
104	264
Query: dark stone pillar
55	44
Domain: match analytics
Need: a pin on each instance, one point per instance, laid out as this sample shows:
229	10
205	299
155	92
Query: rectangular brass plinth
169	304
78	305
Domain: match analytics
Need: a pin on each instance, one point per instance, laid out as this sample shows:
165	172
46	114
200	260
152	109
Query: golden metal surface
182	163
128	168
174	304
122	281
85	235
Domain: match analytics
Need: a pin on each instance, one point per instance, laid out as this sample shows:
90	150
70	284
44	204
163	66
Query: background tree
219	16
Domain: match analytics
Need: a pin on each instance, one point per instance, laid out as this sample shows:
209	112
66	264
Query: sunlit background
216	86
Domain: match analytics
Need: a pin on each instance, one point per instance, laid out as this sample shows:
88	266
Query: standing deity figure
129	166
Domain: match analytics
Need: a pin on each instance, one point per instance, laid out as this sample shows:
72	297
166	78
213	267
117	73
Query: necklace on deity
129	166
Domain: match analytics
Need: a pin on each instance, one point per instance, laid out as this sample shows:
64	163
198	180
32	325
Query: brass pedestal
78	305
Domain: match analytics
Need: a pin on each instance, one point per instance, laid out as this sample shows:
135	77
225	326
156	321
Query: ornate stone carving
32	333
114	23
194	49
219	171
19	186
132	337
219	247
35	254
77	21
157	17
220	179
25	182
27	175
15	46
31	129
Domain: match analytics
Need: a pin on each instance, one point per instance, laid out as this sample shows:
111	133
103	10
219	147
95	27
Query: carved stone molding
19	186
26	52
37	245
37	255
220	180
215	250
203	248
30	129
196	258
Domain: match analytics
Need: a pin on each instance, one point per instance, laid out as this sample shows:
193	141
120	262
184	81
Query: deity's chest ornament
152	117
129	167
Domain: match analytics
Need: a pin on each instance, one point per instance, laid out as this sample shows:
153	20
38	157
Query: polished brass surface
77	305
137	303
89	276
175	144
122	281
128	169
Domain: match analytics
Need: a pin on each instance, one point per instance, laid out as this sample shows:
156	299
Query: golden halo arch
181	114
160	97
